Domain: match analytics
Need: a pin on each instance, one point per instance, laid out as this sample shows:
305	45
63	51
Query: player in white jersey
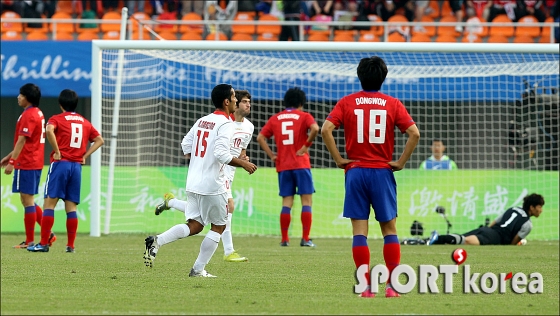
243	132
207	144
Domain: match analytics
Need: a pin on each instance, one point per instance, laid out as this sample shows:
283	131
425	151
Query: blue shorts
288	180
64	181
366	188
26	181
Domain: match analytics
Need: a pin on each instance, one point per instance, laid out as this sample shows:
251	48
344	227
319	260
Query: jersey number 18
376	131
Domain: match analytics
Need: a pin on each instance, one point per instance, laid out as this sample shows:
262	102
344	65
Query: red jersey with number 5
289	129
73	133
369	120
31	124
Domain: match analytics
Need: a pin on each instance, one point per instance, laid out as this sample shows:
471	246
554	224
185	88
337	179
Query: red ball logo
459	256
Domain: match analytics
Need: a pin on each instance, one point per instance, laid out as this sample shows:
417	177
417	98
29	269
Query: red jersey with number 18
369	120
289	129
73	133
31	124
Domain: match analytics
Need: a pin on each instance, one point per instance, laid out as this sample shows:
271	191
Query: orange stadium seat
429	30
395	37
546	30
63	36
274	29
191	37
11	26
344	37
111	26
433	10
523	39
318	37
497	39
67	27
144	35
526	26
377	30
446	9
37	36
368	36
11	36
111	35
397	23
420	37
65	7
506	31
267	37
87	36
163	26
241	37
446	38
192	28
168	35
244	17
138	20
212	36
447	29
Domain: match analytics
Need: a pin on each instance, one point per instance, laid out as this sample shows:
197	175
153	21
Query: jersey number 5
376	131
77	134
201	143
288	132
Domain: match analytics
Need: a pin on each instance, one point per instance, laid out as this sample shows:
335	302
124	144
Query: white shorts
207	209
228	188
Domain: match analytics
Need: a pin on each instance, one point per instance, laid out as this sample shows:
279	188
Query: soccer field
107	276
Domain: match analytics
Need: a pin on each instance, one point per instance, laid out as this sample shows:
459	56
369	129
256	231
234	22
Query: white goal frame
99	45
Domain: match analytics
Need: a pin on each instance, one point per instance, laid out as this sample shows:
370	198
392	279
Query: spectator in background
11	5
110	5
189	6
321	8
457	8
390	7
292	12
419	12
131	4
159	6
264	6
438	161
32	10
531	7
222	10
247	5
481	8
507	7
90	5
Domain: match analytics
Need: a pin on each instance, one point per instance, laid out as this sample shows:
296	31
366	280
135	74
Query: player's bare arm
15	154
314	131
261	139
248	166
492	224
4	162
328	139
51	138
97	142
516	240
413	137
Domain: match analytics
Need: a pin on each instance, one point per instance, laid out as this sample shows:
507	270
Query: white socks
207	249
174	233
179	205
227	239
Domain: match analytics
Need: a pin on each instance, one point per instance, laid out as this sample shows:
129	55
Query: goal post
469	95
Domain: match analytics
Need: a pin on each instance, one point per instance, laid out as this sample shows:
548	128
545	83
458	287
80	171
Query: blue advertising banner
453	77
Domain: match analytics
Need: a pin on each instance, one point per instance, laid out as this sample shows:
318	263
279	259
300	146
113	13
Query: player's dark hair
68	100
372	72
240	94
294	97
220	93
532	200
31	92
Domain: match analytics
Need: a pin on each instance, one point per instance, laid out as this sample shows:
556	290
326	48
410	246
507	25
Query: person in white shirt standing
242	135
207	144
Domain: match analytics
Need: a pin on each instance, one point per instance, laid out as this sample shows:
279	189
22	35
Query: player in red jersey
27	159
69	134
369	118
289	129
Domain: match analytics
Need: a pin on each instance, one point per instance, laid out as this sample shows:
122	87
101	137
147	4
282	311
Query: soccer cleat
235	257
433	238
367	294
70	249
165	204
151	251
389	292
38	248
201	274
23	245
284	244
52	239
308	243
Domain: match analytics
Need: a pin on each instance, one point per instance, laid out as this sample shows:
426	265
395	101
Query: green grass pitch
107	275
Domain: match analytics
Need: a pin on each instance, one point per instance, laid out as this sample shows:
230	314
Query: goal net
494	106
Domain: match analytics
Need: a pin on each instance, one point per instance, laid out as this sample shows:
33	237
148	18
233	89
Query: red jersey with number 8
31	124
73	133
289	129
369	120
